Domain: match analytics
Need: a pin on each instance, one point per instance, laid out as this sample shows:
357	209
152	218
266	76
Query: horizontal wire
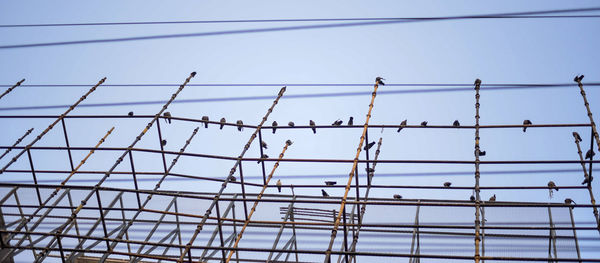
516	85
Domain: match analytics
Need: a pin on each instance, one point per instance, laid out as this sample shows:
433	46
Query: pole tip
193	74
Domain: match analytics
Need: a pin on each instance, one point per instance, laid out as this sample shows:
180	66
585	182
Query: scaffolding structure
69	222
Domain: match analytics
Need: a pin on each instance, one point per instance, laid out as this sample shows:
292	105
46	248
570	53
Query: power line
539	85
290	28
287	20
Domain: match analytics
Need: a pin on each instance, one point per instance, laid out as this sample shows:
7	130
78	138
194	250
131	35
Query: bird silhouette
279	185
577	137
526	123
264	144
402	125
424	123
351	121
578	78
223	121
337	123
205	120
163	142
312	126
587	180
397	196
240	124
477	82
472	198
130	114
167	116
493	198
447	184
274	124
379	81
330	183
231	178
481	153
291	124
569	201
456	123
369	145
263	156
289	142
552	185
589	154
324	193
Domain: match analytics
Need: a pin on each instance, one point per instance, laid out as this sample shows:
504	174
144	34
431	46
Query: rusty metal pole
16	143
589	185
589	112
11	88
477	173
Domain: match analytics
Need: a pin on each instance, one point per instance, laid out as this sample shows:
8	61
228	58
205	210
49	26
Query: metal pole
589	112
11	88
477	196
67	143
589	185
574	233
16	143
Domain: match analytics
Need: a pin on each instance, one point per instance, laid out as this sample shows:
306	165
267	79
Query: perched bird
369	170
456	123
472	198
369	145
551	186
397	196
481	153
167	116
274	124
325	194
231	178
337	123
578	78
351	121
312	126
493	198
379	81
291	124
240	124
163	142
587	180
330	183
526	123
205	120
264	156
589	154
447	184
289	142
279	185
424	123
130	113
402	125
223	121
263	144
477	82
569	201
577	137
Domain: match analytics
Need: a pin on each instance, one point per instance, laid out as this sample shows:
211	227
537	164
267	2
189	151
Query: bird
163	142
589	154
379	81
231	178
279	185
569	201
472	198
240	124
526	123
351	121
263	144
312	126
397	196
477	82
337	123
587	180
369	145
167	116
205	120
325	194
577	137
222	123
447	184
274	124
424	123
291	124
289	142
493	198
263	156
552	185
130	113
578	78
402	125
481	153
330	183
456	123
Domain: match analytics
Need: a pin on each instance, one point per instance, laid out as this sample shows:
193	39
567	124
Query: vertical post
345	235
162	148
135	183
123	217
588	178
477	196
67	143
102	218
574	233
243	190
262	163
551	237
589	112
5	253
37	188
178	226
483	232
220	231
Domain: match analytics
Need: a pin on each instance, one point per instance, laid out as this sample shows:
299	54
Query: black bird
274	124
167	116
279	185
369	146
477	82
397	196
481	153
205	120
402	125
223	121
193	74
424	123
552	185
379	81
351	121
312	126
577	137
526	123
589	154
447	184
324	193
291	124
231	178
569	201
130	113
289	142
337	123
163	142
493	198
330	183
239	125
264	144
262	157
456	123
472	198
578	78
587	180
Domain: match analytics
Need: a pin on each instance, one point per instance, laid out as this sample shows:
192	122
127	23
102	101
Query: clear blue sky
458	51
